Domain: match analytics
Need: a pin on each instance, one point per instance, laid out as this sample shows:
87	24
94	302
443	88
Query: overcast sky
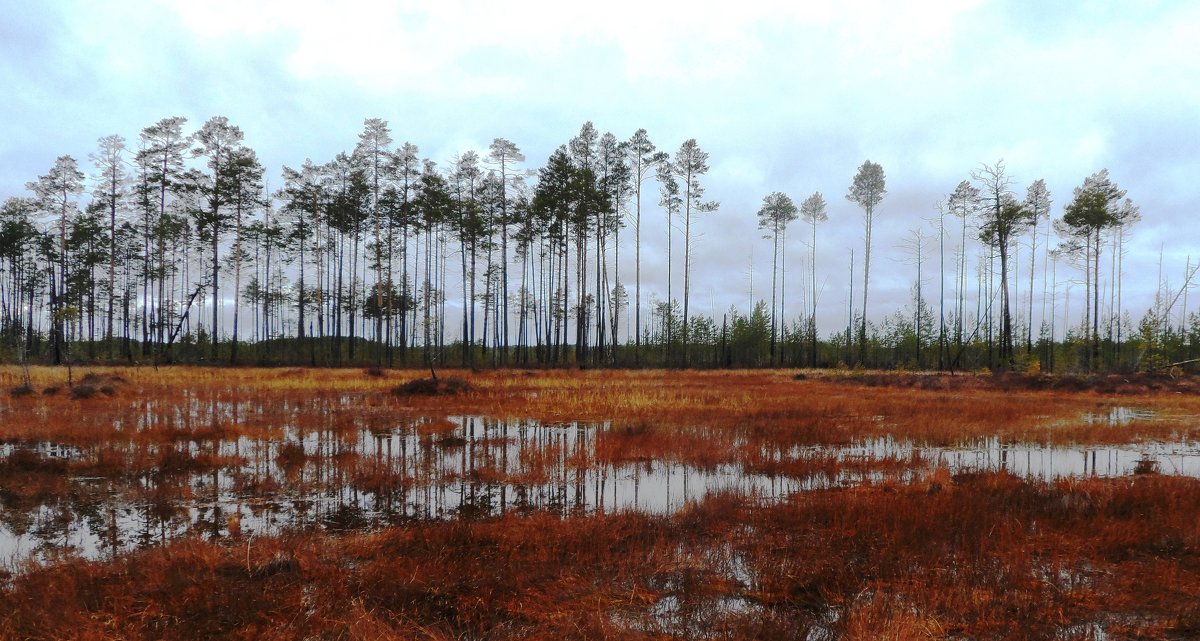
785	96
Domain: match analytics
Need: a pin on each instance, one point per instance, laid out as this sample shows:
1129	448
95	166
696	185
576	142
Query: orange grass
818	409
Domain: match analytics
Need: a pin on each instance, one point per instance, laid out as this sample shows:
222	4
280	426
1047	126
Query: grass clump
93	378
290	455
434	387
84	390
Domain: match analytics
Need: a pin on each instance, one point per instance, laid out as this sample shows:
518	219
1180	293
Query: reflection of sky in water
377	474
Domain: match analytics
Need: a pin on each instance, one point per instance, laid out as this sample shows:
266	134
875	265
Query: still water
378	473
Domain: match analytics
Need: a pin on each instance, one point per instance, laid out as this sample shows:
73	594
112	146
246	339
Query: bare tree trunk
687	267
813	276
1006	347
774	274
237	283
862	332
1096	305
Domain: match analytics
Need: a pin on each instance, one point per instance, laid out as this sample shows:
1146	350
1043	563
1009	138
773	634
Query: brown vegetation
433	387
907	550
1119	384
988	556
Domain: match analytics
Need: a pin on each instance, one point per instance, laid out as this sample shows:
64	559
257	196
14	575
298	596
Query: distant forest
176	252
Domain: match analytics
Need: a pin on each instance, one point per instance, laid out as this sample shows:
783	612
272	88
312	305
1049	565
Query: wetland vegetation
194	503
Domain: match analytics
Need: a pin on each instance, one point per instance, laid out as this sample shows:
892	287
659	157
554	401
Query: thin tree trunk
774	276
862	332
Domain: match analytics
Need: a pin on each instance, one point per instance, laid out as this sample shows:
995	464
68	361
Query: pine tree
776	213
867	191
812	210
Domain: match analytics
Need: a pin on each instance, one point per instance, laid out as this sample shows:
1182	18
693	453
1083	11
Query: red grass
991	556
970	555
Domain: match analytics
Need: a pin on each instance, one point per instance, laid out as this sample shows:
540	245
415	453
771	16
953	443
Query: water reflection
1119	415
198	483
181	472
1045	462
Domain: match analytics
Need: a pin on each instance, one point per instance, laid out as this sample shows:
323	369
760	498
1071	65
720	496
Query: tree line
174	250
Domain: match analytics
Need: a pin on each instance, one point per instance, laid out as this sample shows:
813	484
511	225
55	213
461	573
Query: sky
784	96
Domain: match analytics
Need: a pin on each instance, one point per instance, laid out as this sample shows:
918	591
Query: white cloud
787	96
